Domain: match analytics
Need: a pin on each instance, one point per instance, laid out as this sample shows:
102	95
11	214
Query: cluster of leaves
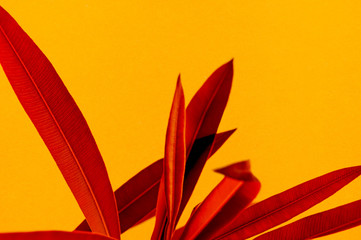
163	188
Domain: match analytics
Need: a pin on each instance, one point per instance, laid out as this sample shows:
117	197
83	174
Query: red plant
163	188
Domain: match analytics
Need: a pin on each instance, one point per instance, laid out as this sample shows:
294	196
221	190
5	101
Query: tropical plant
163	188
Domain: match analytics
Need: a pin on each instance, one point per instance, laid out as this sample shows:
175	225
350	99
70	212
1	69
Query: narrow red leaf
137	198
288	204
53	235
320	224
223	204
174	163
175	158
206	108
60	124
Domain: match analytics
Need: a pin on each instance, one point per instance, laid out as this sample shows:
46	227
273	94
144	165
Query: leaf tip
228	68
240	171
179	85
229	64
230	132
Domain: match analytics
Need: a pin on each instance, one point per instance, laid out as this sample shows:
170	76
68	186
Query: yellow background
295	100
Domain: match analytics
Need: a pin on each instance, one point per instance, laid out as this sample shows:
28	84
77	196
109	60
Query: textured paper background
295	100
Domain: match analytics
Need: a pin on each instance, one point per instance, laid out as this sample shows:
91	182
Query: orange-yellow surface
296	98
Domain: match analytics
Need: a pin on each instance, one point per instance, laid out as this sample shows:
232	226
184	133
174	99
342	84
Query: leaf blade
206	108
60	123
320	224
171	186
288	204
175	158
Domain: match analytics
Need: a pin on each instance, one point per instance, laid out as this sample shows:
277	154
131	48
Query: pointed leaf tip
239	166
227	133
231	62
239	171
179	81
221	138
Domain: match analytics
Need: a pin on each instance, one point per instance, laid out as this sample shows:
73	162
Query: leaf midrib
59	128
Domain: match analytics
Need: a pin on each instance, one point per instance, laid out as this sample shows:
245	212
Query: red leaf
137	198
223	204
288	204
320	224
53	235
206	108
60	124
175	158
173	164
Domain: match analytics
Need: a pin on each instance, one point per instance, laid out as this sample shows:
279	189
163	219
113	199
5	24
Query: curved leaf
206	108
320	224
288	204
60	124
240	171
